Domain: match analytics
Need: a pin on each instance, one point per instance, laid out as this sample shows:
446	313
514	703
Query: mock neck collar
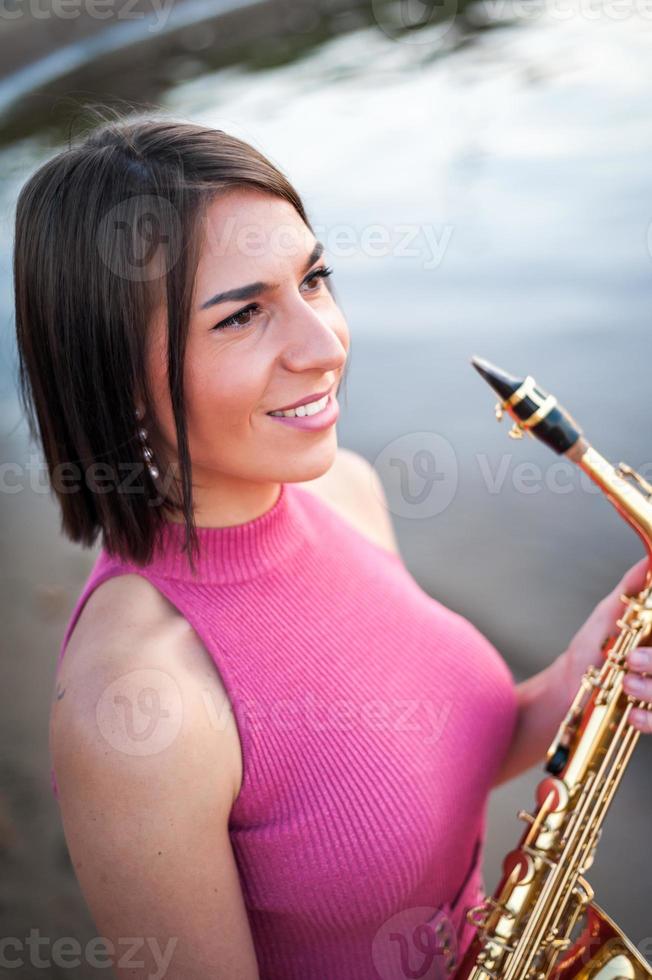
239	552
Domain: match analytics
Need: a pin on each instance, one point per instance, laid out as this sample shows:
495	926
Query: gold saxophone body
541	921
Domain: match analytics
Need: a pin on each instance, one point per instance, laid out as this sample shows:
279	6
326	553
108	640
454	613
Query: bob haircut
84	297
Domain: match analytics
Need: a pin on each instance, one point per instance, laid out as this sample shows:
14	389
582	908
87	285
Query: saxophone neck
626	489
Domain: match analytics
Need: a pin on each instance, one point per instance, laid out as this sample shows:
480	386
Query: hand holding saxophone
587	647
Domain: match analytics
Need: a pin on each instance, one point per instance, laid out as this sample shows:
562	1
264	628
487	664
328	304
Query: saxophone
541	921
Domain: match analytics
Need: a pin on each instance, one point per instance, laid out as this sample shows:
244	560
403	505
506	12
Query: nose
311	338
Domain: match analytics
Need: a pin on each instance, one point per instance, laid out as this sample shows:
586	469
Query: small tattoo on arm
60	692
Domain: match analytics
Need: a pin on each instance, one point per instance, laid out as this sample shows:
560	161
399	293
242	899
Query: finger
641	719
640	659
638	686
634	578
632	581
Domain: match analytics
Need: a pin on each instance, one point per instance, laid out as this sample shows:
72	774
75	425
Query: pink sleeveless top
373	721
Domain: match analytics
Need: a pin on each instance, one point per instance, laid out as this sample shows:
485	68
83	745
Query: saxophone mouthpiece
503	384
532	408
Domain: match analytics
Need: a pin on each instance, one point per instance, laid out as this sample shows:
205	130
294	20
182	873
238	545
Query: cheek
221	394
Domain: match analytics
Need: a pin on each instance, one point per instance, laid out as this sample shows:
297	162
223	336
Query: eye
236	323
320	274
234	319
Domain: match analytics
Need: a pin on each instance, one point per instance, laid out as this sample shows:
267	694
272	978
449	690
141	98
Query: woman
273	750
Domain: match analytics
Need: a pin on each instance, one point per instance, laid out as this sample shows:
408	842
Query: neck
229	502
238	552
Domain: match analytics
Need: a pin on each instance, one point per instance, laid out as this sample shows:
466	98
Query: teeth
310	409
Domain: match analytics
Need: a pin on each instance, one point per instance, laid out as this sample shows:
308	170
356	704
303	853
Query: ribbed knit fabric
373	721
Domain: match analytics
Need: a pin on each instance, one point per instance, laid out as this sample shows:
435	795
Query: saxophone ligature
541	922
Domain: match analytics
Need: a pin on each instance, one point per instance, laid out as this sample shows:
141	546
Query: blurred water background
481	177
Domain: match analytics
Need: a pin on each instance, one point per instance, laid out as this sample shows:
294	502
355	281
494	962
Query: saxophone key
519	867
552	793
477	915
553	941
540	855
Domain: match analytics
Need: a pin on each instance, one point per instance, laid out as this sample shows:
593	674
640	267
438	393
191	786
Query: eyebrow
255	288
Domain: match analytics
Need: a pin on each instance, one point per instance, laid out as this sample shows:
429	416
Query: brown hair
84	300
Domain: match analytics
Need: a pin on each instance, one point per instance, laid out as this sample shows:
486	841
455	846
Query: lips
303	401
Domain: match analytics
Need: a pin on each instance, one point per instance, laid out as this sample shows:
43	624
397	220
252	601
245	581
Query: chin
312	464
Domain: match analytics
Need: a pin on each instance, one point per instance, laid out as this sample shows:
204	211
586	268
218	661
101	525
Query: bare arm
146	783
543	700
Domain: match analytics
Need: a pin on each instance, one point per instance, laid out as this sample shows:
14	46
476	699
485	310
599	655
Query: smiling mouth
298	410
303	411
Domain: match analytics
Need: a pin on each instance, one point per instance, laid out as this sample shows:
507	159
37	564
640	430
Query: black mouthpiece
531	407
503	384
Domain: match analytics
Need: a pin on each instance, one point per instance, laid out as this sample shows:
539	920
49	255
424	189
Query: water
484	188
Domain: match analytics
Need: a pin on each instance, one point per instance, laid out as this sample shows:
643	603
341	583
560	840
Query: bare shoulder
354	489
132	648
124	620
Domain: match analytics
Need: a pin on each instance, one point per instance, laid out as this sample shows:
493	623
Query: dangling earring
148	455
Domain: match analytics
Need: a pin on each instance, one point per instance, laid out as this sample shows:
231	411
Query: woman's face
288	341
